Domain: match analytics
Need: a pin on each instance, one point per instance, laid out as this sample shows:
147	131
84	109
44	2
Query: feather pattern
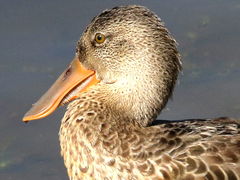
98	145
108	132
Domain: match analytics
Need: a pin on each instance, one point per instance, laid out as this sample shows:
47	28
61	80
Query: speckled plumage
107	134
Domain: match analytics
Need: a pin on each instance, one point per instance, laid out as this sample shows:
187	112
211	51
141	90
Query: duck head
126	55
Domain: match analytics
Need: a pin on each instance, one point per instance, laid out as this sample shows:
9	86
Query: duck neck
137	102
139	89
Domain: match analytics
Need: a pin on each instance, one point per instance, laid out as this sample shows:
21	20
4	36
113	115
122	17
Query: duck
124	71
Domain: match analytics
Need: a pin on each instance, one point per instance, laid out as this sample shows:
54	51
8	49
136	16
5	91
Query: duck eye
100	38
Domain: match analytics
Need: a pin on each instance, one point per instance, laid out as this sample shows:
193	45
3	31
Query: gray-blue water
37	41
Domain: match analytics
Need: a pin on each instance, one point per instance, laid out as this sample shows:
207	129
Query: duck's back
199	150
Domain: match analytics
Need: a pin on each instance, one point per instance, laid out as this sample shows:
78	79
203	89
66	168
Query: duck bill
75	76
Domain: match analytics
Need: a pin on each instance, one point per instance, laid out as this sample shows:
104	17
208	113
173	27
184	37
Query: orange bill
75	77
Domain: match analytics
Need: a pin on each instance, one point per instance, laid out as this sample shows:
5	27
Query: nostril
67	72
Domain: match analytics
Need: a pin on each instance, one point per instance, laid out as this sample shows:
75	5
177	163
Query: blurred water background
37	42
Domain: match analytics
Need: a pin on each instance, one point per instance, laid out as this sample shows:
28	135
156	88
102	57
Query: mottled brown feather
106	132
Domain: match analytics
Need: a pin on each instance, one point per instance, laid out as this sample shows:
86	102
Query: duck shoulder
97	145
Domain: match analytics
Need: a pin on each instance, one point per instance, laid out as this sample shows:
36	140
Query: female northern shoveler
124	71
